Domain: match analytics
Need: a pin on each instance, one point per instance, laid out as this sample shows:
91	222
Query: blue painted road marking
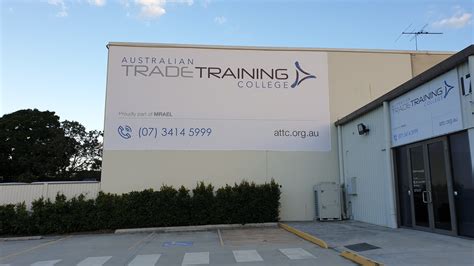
178	244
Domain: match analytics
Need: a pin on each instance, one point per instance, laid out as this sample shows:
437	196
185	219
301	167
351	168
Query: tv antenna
416	33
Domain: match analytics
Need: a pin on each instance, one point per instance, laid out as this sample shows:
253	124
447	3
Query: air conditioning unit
327	196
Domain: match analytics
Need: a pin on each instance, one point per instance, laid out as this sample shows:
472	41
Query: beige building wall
355	78
421	62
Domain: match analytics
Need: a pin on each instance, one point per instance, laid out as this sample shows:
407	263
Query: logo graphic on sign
298	80
124	131
447	89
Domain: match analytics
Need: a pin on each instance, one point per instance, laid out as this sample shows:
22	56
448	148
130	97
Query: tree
87	146
33	145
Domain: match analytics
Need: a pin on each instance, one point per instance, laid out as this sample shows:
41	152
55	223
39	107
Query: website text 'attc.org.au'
296	133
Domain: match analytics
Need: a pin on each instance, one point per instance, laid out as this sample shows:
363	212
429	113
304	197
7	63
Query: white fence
13	193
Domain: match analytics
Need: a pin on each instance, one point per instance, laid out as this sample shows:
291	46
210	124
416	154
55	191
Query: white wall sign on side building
432	109
171	98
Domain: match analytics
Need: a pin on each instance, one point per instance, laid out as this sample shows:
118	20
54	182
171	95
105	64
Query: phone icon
124	131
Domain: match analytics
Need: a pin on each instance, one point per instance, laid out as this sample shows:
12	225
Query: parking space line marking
145	260
297	253
220	237
45	263
246	256
94	261
140	241
33	248
4	264
195	258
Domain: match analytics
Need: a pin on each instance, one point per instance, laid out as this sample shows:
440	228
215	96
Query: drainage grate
361	247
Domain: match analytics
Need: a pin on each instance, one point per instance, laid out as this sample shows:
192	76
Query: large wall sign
216	99
433	109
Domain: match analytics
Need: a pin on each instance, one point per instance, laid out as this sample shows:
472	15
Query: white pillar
339	154
470	63
471	130
342	179
390	176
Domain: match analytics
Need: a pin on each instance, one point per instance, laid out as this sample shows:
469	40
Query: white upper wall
364	158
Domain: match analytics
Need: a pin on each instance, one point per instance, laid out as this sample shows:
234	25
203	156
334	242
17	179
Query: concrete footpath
391	246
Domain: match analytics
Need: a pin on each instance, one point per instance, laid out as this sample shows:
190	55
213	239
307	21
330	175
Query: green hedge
242	203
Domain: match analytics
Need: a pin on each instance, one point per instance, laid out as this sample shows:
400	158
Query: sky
54	57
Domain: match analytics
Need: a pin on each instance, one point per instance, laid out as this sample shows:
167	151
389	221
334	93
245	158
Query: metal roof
435	71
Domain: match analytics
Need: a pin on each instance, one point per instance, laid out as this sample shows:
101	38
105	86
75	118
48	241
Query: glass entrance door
419	182
431	186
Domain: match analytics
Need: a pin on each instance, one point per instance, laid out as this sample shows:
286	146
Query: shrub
109	209
242	203
202	206
14	220
183	207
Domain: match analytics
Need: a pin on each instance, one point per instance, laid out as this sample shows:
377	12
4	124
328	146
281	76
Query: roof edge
436	70
232	47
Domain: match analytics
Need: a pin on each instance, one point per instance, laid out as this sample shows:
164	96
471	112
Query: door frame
449	183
